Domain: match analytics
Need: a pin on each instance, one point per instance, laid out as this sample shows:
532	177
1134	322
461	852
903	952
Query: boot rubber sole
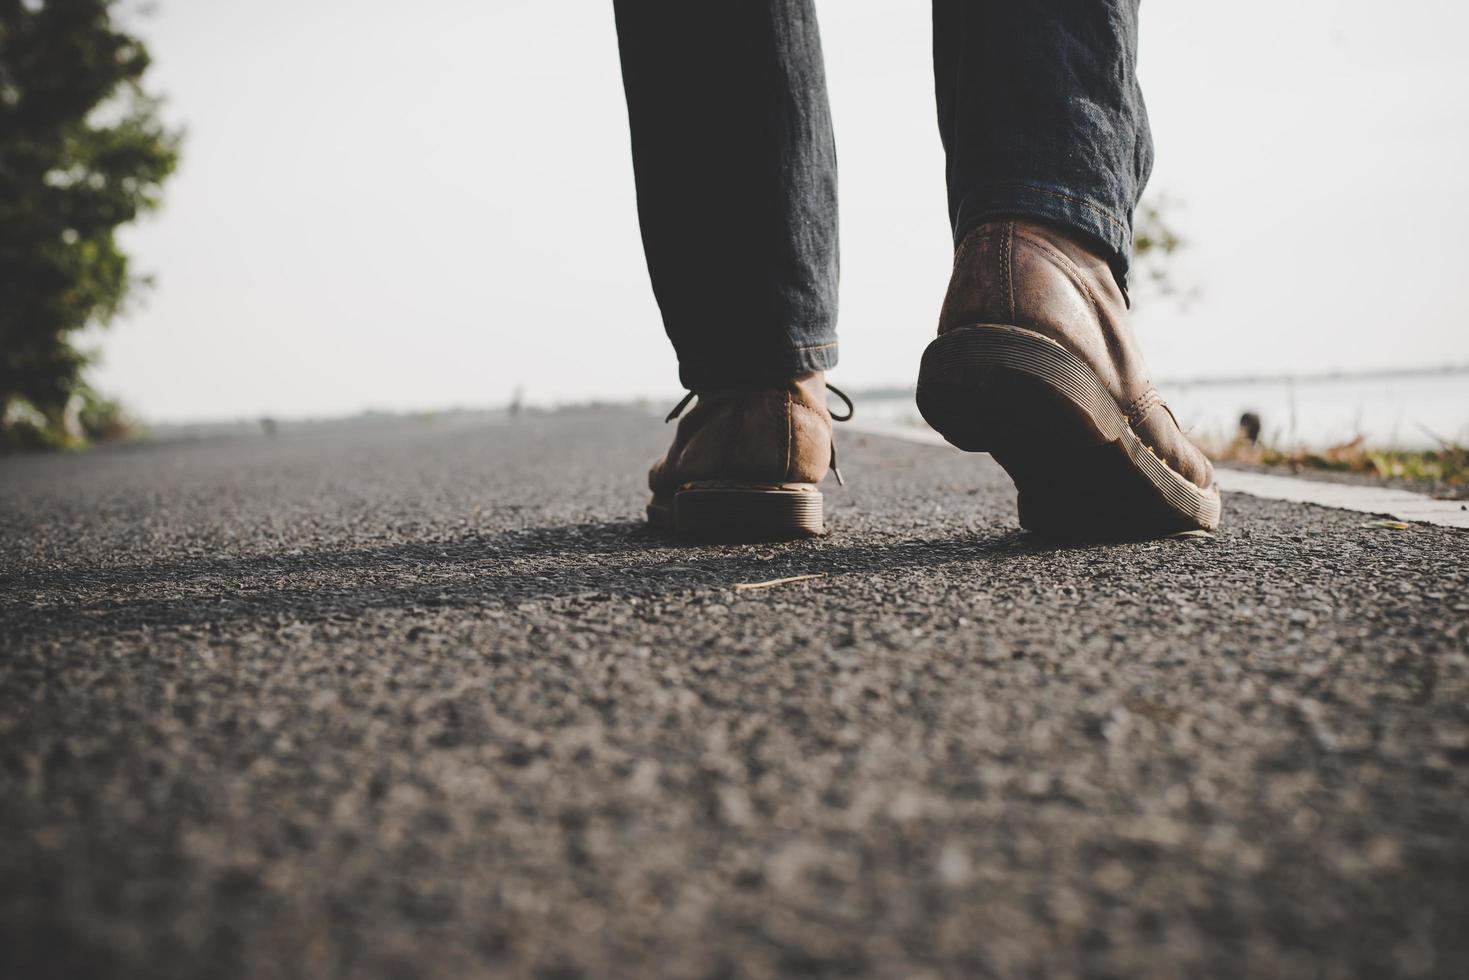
727	510
1044	416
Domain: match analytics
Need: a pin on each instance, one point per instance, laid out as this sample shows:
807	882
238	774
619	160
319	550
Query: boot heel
747	512
1046	418
988	386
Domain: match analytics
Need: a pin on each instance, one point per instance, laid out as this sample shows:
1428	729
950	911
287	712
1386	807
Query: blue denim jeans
1039	111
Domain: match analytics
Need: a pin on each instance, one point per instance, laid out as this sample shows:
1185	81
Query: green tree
82	152
1154	242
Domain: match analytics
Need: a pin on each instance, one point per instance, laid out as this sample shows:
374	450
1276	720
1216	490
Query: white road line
1401	504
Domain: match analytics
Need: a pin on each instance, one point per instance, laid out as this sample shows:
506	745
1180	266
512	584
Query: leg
1041	115
1048	149
736	177
736	180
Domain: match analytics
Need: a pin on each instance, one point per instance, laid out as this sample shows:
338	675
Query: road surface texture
429	701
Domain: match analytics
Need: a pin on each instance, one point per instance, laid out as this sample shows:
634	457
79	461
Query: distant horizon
878	391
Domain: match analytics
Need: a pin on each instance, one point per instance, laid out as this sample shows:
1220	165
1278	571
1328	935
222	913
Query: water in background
1400	411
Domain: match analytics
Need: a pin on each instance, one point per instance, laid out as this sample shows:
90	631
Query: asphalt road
426	701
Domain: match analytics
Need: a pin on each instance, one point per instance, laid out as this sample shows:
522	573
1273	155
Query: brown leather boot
1035	364
746	463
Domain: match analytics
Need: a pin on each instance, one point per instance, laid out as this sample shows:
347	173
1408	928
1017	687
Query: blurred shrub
1155	241
88	418
82	152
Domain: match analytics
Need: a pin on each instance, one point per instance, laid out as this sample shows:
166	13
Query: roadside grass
1447	465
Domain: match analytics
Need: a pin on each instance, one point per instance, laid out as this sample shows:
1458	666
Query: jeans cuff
1105	226
712	373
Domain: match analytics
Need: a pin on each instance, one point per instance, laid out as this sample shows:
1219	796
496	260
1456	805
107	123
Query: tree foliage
1154	243
82	152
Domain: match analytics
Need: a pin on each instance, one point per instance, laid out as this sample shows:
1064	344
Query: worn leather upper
771	435
1026	274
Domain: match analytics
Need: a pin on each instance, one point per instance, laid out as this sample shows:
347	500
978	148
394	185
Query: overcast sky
388	205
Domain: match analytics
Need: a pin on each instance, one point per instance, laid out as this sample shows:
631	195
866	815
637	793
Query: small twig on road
751	586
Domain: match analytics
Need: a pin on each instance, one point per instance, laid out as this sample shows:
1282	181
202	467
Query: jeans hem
710	373
1013	199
